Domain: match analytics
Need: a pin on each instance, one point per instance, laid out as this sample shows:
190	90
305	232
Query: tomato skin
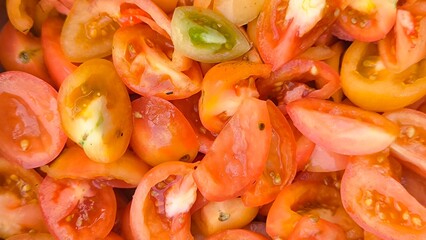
241	234
338	127
95	110
161	132
141	57
32	135
226	172
57	65
322	160
20	52
371	196
148	221
76	209
310	228
31	236
409	146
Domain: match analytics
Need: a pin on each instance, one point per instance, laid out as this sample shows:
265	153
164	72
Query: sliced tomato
96	110
73	163
232	10
225	86
406	44
310	227
189	108
369	84
304	150
322	160
31	236
77	209
378	202
162	201
366	20
415	184
143	59
20	52
281	165
283	81
21	13
161	132
206	36
287	28
409	146
57	64
341	128
216	217
31	132
20	209
225	172
241	234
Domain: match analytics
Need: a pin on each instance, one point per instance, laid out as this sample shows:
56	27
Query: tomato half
161	132
20	52
20	210
31	132
409	146
77	209
287	28
162	201
73	163
368	84
225	172
240	234
379	203
96	110
143	59
366	20
224	88
341	128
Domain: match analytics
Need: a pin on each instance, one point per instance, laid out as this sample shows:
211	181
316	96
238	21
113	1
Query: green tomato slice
206	36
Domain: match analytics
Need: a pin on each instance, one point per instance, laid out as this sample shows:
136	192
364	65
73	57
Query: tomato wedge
31	132
226	172
341	128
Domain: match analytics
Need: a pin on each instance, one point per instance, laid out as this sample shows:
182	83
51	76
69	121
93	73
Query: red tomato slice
341	128
238	154
162	201
224	87
57	65
142	58
32	236
310	227
366	20
77	209
379	203
322	160
409	146
161	132
281	165
74	163
20	52
19	207
415	184
240	234
287	28
31	132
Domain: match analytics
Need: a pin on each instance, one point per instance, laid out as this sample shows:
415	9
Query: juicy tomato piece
281	165
206	36
313	200
322	160
142	58
31	132
31	236
310	227
406	44
409	146
225	86
341	128
57	64
21	13
73	163
20	52
96	110
287	28
378	202
161	132
232	10
77	209
283	81
304	150
241	234
225	172
366	20
20	209
216	217
415	184
189	108
162	202
368	84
